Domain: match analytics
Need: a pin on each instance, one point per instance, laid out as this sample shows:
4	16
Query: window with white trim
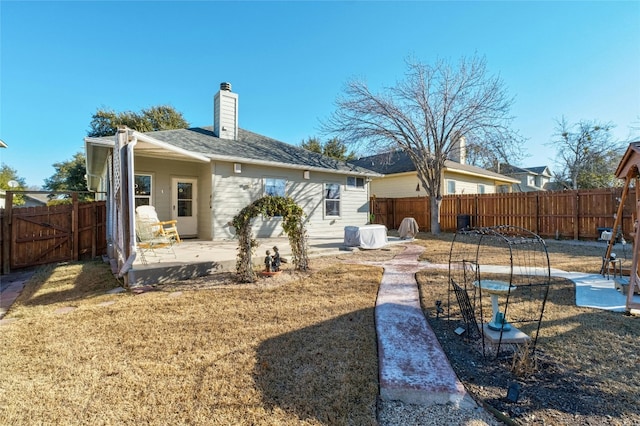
275	187
451	186
481	188
142	190
332	199
355	182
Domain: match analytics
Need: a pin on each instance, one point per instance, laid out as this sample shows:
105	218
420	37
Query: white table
366	237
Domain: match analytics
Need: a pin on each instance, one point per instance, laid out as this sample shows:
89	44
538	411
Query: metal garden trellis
511	259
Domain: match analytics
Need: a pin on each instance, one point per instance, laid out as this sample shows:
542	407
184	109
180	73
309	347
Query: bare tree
426	115
489	154
587	152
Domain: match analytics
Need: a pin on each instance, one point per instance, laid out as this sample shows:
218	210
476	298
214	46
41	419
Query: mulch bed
552	394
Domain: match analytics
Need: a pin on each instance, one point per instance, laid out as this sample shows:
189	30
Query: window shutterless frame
143	189
332	194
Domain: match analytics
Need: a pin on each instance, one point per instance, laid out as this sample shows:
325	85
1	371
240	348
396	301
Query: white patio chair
148	239
167	228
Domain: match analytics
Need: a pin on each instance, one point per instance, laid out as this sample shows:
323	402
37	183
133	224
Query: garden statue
275	263
268	262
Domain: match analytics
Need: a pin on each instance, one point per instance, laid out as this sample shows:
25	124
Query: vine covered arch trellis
292	224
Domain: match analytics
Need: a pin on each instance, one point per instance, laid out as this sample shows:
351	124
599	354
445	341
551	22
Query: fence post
393	214
94	230
75	228
476	217
6	233
537	231
576	216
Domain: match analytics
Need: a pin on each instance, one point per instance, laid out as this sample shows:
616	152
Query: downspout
133	140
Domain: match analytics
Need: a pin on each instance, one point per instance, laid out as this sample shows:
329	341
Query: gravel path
395	413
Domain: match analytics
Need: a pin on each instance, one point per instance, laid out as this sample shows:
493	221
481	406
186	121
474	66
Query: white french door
185	205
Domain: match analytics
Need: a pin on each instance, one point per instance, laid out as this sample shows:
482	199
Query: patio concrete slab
196	258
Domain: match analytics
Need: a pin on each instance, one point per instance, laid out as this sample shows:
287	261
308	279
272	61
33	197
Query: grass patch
297	351
300	353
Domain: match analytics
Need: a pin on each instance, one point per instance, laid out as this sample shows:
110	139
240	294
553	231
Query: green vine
292	223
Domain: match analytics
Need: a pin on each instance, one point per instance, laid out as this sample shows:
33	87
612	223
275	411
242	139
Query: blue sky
288	61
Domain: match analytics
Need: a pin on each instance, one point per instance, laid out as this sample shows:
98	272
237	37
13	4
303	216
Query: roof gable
539	170
510	169
630	159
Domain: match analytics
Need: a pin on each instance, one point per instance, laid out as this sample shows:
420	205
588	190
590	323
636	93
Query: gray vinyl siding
205	185
232	192
162	171
223	193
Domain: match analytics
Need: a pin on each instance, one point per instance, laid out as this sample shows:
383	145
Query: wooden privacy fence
47	234
563	214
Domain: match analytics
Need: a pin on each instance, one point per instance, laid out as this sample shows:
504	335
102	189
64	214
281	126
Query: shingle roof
399	162
251	146
509	168
537	170
387	163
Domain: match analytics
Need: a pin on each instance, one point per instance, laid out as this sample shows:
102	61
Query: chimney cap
225	86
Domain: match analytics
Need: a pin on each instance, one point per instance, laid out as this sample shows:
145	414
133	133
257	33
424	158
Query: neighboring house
30	200
35	200
530	178
203	176
401	180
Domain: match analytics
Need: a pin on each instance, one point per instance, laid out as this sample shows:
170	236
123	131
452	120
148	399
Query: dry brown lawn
300	352
297	350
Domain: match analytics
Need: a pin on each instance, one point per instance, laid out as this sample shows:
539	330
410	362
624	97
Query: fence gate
39	237
48	234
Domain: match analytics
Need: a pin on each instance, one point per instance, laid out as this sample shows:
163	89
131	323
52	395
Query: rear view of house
203	176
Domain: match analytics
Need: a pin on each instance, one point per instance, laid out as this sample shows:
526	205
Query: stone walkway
11	286
413	366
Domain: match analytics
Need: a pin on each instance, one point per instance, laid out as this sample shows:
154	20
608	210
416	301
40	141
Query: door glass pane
185	208
185	191
185	199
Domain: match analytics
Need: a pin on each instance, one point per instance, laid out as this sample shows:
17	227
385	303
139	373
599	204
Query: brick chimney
225	113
